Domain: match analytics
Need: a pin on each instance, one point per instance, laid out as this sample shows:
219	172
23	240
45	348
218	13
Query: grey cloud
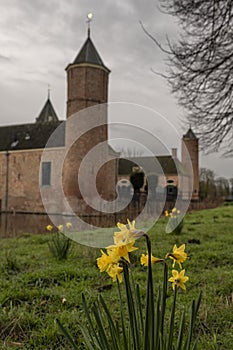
44	36
5	58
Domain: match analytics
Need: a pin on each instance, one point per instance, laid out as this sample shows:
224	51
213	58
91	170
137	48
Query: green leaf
99	322
87	313
87	336
125	339
172	318
113	331
164	298
67	335
181	332
131	310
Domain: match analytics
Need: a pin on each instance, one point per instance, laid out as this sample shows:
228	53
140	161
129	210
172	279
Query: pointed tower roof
88	54
47	114
190	134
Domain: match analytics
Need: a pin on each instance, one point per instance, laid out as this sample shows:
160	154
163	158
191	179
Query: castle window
46	174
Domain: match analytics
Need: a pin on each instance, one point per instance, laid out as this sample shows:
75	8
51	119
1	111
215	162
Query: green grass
33	283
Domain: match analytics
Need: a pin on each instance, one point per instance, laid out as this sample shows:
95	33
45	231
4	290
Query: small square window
46	174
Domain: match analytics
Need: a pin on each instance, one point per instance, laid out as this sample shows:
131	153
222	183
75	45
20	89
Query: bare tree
201	67
231	184
222	186
207	184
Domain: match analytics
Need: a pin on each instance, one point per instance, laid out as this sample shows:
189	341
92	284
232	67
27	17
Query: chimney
174	153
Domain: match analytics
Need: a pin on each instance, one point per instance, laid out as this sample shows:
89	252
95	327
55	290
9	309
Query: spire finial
49	89
89	19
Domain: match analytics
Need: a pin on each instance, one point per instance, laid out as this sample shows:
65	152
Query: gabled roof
47	113
89	54
190	135
30	136
159	165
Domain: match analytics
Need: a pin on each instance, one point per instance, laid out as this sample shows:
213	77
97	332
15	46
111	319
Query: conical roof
190	134
47	113
89	54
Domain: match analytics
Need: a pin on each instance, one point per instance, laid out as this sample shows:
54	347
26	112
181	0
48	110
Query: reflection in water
13	225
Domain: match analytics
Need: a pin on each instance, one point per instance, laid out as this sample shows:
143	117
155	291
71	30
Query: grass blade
67	335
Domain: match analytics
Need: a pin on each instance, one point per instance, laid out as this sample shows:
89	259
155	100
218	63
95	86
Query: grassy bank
35	288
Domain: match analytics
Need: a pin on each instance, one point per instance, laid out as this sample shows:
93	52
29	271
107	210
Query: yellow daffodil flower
115	272
166	213
60	228
121	251
125	235
49	227
144	259
105	262
178	255
131	225
178	279
68	225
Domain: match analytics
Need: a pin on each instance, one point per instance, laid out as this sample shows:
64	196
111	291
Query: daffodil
105	262
60	228
145	258
178	279
68	225
125	235
115	272
49	227
119	251
178	255
166	213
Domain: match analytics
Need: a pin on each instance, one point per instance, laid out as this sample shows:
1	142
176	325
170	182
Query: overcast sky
39	38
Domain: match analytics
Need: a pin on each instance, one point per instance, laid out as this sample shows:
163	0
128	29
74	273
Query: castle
25	174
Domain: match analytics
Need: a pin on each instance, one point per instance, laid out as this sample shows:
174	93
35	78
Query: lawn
35	288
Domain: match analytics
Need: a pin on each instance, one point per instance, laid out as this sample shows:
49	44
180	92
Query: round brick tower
87	86
190	152
87	79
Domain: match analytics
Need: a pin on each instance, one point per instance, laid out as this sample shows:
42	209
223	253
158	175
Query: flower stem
149	320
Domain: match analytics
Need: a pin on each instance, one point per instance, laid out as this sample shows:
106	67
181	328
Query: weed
11	264
60	246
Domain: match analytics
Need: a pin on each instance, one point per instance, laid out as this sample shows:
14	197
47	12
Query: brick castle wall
23	180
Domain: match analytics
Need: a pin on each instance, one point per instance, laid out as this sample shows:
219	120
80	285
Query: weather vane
89	19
